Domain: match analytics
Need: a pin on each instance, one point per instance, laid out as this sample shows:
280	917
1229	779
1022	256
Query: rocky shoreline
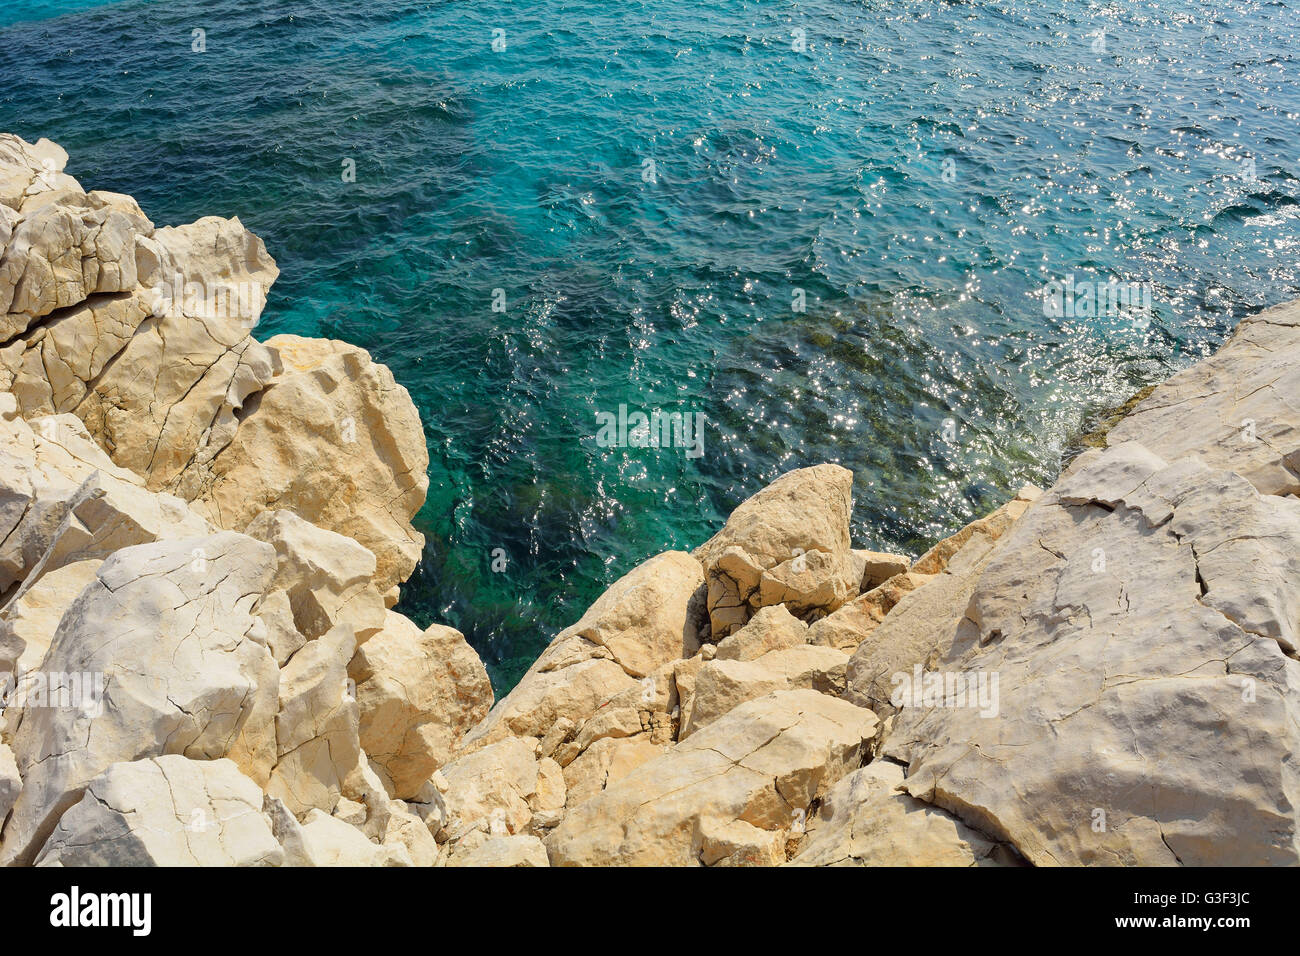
203	536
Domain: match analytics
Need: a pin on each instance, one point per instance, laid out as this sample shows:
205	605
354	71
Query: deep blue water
919	169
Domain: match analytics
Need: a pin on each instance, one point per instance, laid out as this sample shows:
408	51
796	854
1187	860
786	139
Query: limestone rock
544	697
846	628
807	508
762	762
327	576
724	684
771	629
28	169
405	829
1238	410
873	568
106	514
335	438
737	843
685	674
418	693
868	820
927	621
28	621
503	851
41	467
165	811
166	624
168	402
991	526
646	618
318	725
489	789
810	585
796	530
604	762
59	253
551	790
1145	710
322	840
52	367
275	618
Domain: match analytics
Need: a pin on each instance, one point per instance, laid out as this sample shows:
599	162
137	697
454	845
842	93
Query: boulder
165	627
873	568
406	830
59	253
318	725
770	629
28	621
327	577
868	819
27	169
106	514
796	532
323	840
332	437
648	617
724	842
419	692
165	811
764	763
42	465
489	790
544	697
724	684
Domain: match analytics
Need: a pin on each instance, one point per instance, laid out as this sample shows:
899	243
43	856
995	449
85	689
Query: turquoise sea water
919	169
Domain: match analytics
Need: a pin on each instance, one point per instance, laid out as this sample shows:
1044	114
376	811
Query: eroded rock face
419	692
788	544
1238	410
166	625
926	622
868	820
166	811
763	764
333	437
1140	619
